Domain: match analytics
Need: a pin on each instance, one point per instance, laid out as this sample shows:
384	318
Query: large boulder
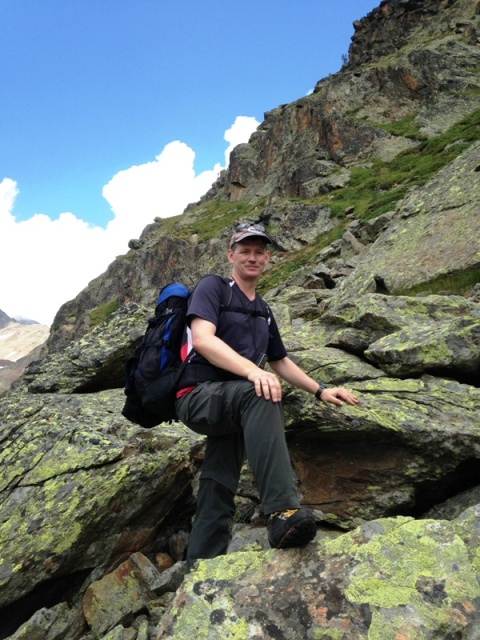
392	578
81	486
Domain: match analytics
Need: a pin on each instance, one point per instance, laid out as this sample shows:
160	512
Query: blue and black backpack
153	370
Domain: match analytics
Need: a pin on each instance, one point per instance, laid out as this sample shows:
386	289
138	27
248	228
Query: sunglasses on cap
248	226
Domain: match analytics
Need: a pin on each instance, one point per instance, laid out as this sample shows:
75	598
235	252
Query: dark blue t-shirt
252	336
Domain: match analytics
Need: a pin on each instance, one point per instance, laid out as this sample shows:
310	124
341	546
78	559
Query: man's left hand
336	395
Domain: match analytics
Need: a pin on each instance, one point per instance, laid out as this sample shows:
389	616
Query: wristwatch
319	391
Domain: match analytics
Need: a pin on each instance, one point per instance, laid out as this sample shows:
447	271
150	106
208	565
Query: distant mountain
4	319
20	344
25	321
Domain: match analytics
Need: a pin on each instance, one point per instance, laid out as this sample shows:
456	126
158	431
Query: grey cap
244	231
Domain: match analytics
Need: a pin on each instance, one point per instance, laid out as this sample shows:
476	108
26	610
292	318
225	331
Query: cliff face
370	188
407	60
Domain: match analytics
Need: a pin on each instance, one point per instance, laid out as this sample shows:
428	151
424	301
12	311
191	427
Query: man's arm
218	353
295	376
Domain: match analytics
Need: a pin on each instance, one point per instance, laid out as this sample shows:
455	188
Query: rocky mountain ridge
374	283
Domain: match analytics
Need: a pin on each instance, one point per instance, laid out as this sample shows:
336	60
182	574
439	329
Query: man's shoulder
211	291
213	279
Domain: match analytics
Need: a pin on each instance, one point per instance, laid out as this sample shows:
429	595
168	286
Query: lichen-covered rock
61	621
451	347
467	526
118	596
456	505
414	440
80	485
435	233
407	336
387	579
96	361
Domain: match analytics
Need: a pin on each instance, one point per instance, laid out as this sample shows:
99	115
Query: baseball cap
248	230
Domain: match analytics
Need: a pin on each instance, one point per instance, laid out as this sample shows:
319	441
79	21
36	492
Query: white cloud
161	188
45	262
239	132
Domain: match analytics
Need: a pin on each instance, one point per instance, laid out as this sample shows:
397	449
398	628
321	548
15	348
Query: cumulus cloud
160	188
46	262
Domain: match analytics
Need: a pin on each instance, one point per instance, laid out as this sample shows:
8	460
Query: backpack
153	370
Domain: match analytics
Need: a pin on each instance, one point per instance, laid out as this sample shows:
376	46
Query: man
227	395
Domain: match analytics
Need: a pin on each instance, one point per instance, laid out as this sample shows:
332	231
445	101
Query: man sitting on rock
227	395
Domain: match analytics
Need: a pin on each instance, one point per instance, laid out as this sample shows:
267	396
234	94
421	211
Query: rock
86	487
371	317
452	347
414	439
50	624
177	544
115	598
357	585
163	561
351	246
95	362
434	234
454	507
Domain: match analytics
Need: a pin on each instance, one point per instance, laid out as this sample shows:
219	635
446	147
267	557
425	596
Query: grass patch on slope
102	312
375	189
459	283
210	219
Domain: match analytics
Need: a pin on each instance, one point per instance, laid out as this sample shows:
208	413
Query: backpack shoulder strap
264	313
226	292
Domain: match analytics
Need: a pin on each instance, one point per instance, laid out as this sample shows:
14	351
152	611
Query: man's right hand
266	384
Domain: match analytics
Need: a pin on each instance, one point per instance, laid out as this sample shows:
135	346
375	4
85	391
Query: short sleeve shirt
252	336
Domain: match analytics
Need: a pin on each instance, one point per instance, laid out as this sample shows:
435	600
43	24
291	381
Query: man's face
249	258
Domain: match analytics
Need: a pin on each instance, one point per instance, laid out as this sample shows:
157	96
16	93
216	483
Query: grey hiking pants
238	423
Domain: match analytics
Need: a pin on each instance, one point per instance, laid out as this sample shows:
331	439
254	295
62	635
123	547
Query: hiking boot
291	528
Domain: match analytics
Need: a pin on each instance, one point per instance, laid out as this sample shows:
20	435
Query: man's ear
230	256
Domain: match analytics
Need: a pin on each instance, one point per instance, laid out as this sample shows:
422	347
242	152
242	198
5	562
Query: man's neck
247	286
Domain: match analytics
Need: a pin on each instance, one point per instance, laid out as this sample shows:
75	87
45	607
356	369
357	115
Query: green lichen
68	538
223	568
323	634
382	627
209	612
202	619
407	563
208	618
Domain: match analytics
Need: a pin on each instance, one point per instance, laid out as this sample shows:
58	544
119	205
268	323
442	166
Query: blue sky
107	103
